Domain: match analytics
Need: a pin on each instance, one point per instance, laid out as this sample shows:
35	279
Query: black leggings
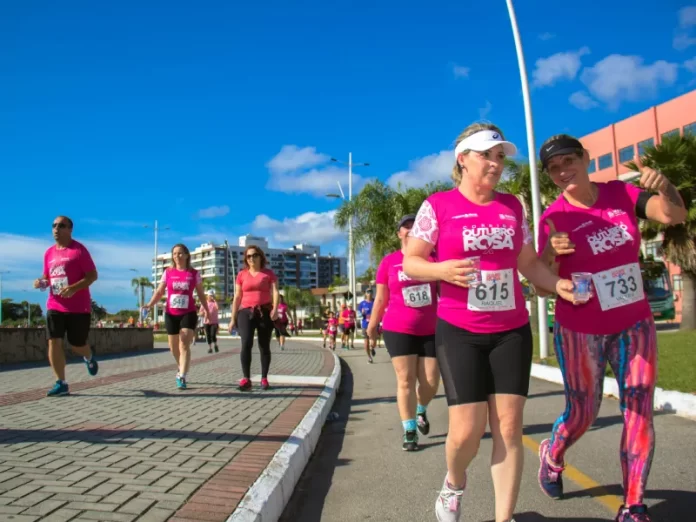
211	333
259	319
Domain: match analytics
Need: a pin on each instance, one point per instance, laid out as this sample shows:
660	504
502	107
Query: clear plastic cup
475	276
43	284
582	286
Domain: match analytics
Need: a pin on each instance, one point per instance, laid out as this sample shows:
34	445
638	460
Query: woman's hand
558	244
457	272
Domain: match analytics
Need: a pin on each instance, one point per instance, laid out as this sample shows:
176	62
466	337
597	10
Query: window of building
653	249
669	134
626	154
677	283
593	166
605	161
690	129
644	145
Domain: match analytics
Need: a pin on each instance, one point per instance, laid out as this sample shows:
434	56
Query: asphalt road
360	473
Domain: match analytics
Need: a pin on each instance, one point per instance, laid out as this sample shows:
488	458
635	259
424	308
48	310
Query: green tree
299	298
375	212
675	157
139	284
368	276
98	312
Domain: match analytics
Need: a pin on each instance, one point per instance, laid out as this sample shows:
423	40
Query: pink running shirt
496	232
64	267
180	287
212	312
348	318
256	289
333	325
412	305
283	312
607	243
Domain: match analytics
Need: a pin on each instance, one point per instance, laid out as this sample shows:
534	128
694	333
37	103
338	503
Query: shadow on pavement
317	477
391	399
533	516
674	505
545	394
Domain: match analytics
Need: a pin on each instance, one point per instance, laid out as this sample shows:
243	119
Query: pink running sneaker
264	384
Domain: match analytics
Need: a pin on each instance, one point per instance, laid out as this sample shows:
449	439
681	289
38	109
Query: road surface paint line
611	502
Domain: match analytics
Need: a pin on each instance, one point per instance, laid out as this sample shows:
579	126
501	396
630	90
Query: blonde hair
471	129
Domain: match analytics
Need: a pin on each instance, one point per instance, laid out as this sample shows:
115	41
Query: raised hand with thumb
559	242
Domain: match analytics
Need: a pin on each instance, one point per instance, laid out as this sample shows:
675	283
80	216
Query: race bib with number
179	301
495	293
57	284
619	286
417	296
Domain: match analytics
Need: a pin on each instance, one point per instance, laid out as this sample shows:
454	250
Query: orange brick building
613	146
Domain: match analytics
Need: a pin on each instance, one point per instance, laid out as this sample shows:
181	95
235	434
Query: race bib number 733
619	286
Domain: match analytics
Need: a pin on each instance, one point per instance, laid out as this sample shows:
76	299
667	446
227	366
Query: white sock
87	359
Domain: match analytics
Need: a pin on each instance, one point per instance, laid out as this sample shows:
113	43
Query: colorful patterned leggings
632	355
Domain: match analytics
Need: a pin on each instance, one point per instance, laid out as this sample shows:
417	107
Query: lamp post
536	201
351	246
1	272
154	276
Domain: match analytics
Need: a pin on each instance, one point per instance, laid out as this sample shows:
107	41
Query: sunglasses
253	256
60	225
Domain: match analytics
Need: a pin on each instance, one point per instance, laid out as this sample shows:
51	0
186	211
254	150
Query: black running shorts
474	366
400	344
75	325
174	323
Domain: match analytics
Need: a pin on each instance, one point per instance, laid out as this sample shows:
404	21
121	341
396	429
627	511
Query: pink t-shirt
412	305
212	312
283	312
496	232
64	267
180	287
256	289
607	244
348	318
332	325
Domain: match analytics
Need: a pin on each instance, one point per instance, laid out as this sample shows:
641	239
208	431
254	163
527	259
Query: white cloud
690	65
213	212
546	36
619	78
292	158
435	167
582	101
485	110
560	66
461	71
297	171
687	19
311	227
687	16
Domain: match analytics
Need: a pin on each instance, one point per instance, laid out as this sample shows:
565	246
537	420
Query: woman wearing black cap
409	335
591	231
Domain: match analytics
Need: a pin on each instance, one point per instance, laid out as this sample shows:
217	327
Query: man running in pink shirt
68	273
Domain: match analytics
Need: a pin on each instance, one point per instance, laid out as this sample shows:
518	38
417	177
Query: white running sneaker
448	506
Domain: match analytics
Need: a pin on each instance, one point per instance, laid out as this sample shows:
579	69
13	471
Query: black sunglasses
60	225
252	256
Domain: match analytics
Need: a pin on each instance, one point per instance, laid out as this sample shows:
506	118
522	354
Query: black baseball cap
406	219
558	147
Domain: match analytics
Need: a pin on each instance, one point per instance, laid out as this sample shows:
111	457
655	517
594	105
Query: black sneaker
210	350
216	349
374	353
410	441
423	424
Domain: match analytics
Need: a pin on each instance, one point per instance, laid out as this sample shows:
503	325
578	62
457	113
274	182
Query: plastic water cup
43	284
475	276
582	286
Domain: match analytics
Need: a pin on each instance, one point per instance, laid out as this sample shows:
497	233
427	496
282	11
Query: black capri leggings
211	333
255	319
474	366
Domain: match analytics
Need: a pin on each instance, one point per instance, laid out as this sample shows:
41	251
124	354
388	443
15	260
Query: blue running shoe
92	366
181	382
59	388
637	513
550	480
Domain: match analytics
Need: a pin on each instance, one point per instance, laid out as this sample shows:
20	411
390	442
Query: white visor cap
485	140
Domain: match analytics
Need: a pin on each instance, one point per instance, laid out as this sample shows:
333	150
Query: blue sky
219	120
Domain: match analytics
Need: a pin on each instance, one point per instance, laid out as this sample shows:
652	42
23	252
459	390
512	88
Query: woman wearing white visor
483	338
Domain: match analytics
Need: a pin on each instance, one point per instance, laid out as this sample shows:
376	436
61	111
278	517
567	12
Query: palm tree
299	298
376	210
139	285
675	157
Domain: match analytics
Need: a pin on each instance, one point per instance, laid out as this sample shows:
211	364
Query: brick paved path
128	445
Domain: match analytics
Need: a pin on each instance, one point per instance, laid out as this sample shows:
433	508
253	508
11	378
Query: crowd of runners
449	305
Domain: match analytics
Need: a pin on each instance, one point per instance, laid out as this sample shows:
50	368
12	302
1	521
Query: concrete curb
679	403
268	496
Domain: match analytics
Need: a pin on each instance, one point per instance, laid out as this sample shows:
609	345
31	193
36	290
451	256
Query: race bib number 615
495	293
